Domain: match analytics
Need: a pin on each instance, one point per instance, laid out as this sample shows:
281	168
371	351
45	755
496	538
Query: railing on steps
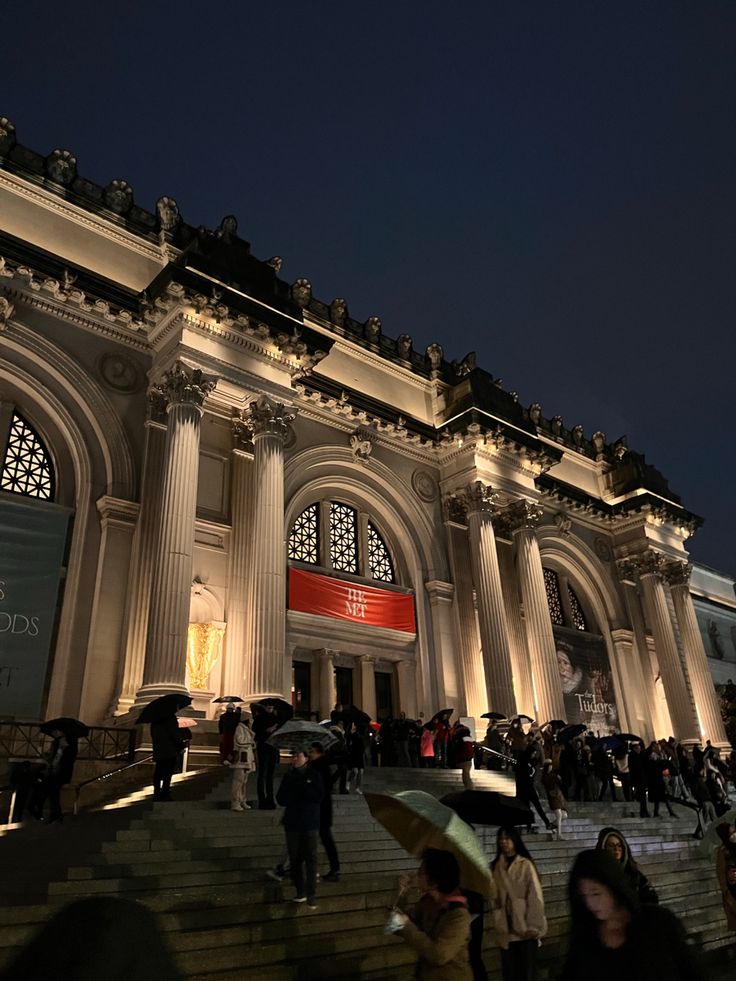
79	787
21	741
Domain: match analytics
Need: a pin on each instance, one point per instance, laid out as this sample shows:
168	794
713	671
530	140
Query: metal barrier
79	787
25	741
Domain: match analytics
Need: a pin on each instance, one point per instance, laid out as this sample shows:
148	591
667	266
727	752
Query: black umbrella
282	709
70	727
163	707
498	716
438	715
630	737
555	724
570	732
521	718
357	716
488	807
227	698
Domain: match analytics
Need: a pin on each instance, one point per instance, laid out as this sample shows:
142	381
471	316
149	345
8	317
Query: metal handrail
24	740
79	787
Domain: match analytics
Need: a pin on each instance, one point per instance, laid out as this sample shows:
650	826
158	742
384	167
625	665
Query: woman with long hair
614	842
518	916
612	936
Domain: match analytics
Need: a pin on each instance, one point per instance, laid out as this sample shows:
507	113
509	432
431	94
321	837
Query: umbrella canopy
488	807
498	716
521	718
282	709
163	707
438	715
418	821
555	724
298	734
711	839
629	737
70	727
375	726
186	723
611	742
227	698
357	716
570	732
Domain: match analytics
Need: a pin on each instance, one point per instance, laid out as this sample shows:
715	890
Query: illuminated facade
197	432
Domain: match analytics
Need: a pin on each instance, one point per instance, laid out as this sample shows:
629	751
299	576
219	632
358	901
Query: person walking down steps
300	794
243	763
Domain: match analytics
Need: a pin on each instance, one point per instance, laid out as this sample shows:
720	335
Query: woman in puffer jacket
518	916
612	841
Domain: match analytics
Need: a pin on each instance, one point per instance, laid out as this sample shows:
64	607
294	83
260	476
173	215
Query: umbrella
498	716
555	724
611	742
375	725
227	698
70	727
438	715
418	821
357	716
711	839
630	737
297	734
570	732
186	723
163	707
282	709
488	807
521	718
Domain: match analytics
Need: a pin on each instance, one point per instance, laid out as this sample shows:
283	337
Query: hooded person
612	936
613	841
726	871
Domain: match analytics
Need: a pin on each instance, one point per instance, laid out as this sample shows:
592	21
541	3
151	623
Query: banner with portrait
586	679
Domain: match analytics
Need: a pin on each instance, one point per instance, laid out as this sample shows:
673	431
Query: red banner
328	597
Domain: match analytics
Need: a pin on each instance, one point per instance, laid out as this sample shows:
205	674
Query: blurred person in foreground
614	937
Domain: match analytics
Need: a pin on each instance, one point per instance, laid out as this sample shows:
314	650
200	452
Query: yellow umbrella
418	821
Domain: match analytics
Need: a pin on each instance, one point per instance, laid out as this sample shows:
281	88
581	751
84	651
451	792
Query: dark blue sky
550	184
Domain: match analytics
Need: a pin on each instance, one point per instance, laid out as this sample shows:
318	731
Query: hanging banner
32	539
586	680
311	593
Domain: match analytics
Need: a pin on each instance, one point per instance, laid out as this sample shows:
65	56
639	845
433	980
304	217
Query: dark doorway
384	696
344	685
302	689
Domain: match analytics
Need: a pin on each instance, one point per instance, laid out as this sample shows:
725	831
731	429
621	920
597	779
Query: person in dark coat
61	759
356	759
265	723
300	794
524	771
226	726
638	774
612	936
613	841
319	762
168	743
656	764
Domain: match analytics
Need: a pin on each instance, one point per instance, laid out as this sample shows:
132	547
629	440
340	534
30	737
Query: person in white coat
243	762
518	914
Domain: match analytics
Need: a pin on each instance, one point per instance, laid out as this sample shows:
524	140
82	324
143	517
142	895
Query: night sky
551	184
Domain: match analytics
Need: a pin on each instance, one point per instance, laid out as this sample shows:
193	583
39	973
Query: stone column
523	518
440	596
471	660
138	593
327	696
264	668
520	664
494	631
184	389
406	682
649	566
645	675
703	689
241	537
368	685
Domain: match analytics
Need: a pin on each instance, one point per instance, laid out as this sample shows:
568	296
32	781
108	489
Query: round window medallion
120	373
424	485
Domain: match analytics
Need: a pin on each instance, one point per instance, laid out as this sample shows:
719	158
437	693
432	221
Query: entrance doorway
344	686
302	681
384	696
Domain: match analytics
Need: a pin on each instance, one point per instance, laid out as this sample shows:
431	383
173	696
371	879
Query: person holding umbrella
518	915
265	723
61	759
300	794
167	739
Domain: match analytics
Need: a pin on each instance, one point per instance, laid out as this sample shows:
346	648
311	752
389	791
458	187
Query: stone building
214	481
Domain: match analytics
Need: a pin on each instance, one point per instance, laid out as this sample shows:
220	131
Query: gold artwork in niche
204	645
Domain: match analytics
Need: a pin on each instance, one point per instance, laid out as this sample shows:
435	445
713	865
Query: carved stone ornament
373	329
227	230
361	445
425	486
275	262
464	367
435	354
578	435
61	167
620	449
6	311
301	292
627	570
564	523
454	509
599	444
535	413
556	425
648	563
120	373
268	418
403	346
168	214
677	573
523	514
602	549
182	385
242	432
119	197
478	496
338	311
7	135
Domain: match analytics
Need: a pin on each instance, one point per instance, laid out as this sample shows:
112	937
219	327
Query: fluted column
520	664
491	611
645	675
523	518
138	593
368	685
471	661
264	675
241	537
327	694
703	689
406	682
184	390
649	566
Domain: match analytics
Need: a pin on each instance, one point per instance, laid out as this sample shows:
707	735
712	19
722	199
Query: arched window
26	467
565	609
338	536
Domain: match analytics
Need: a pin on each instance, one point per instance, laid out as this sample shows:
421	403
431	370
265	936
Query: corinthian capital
677	573
268	418
242	432
182	385
478	496
522	514
647	563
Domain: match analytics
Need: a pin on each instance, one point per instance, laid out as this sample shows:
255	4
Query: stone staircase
202	868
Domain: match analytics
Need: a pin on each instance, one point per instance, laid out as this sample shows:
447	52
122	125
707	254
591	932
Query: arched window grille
27	467
578	617
554	600
379	558
565	609
304	537
343	537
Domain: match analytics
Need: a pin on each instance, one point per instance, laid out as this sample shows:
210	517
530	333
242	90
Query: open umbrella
186	723
357	716
711	838
375	726
441	713
611	742
419	821
227	698
555	724
498	716
282	709
570	732
70	727
521	718
629	737
163	707
298	734
488	807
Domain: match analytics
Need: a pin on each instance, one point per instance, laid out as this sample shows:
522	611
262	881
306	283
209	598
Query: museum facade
212	481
